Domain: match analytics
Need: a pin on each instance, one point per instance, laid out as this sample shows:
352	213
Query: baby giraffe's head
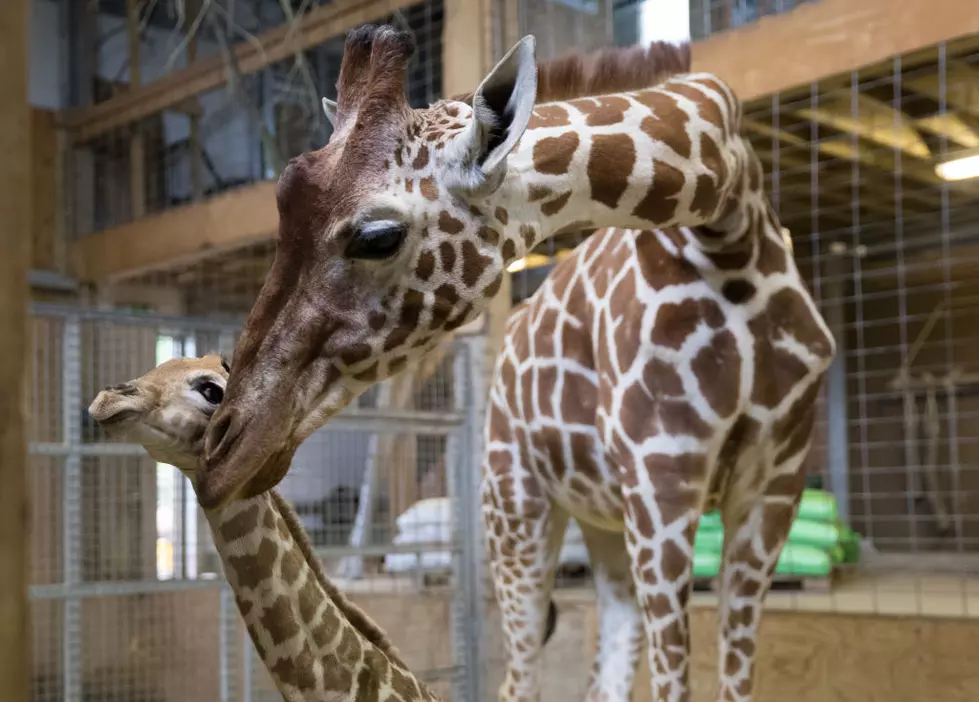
166	410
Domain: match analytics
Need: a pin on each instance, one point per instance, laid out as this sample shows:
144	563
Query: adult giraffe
398	232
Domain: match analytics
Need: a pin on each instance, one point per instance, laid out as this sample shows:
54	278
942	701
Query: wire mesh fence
887	246
127	593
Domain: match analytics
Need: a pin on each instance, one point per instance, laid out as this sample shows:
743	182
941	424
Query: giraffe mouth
114	420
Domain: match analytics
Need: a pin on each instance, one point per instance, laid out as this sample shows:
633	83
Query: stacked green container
818	541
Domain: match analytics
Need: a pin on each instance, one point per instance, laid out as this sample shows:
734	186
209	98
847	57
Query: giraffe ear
330	108
502	106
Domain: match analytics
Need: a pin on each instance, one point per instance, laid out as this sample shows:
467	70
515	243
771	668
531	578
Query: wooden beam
822	39
843	148
800	164
15	242
873	120
316	26
955	128
240	217
961	87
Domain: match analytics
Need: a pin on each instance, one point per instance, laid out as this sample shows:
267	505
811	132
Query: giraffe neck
665	156
315	643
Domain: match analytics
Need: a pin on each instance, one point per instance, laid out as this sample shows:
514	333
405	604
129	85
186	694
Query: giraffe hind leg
663	501
619	619
756	527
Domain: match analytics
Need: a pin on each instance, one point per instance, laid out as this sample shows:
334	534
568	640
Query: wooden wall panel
815	657
15	260
45	195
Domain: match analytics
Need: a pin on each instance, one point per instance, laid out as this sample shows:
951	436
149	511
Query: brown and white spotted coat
656	374
315	643
399	230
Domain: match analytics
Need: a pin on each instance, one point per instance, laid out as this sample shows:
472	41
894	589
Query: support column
467	55
79	159
477	33
137	143
15	242
196	149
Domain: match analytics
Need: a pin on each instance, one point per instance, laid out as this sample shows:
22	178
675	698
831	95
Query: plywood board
819	656
817	40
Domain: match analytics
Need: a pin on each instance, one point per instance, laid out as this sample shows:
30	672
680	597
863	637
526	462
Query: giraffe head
384	248
166	410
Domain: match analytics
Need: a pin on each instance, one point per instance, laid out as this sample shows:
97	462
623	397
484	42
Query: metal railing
111	623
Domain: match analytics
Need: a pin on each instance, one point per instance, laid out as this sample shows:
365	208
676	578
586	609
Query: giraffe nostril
221	437
124	389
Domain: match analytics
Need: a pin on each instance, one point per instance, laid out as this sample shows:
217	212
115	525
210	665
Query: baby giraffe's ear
502	106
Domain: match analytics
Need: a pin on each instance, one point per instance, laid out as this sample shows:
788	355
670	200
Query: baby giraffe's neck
315	643
666	156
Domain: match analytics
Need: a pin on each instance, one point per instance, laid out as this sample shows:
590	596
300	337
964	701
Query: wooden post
137	144
79	173
196	148
467	47
467	56
15	242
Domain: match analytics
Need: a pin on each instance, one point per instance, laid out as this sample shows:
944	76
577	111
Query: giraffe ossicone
314	642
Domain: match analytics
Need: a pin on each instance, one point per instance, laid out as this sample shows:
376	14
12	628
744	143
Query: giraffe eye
211	392
376	241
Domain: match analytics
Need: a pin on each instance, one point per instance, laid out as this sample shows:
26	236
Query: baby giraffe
316	645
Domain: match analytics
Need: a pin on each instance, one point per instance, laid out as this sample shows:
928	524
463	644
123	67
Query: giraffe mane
357	618
611	70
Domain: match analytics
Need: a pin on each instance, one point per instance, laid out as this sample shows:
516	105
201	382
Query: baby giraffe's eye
376	241
211	392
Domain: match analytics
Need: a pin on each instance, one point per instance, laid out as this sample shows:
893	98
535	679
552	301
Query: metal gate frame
463	431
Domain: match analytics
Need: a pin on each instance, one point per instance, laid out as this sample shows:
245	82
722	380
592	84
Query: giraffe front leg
619	619
524	534
756	527
663	496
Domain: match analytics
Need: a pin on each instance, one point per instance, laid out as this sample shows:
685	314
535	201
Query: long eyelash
225	364
379	226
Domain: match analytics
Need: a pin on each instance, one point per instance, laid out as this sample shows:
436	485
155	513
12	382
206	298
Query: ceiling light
959	168
528	261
